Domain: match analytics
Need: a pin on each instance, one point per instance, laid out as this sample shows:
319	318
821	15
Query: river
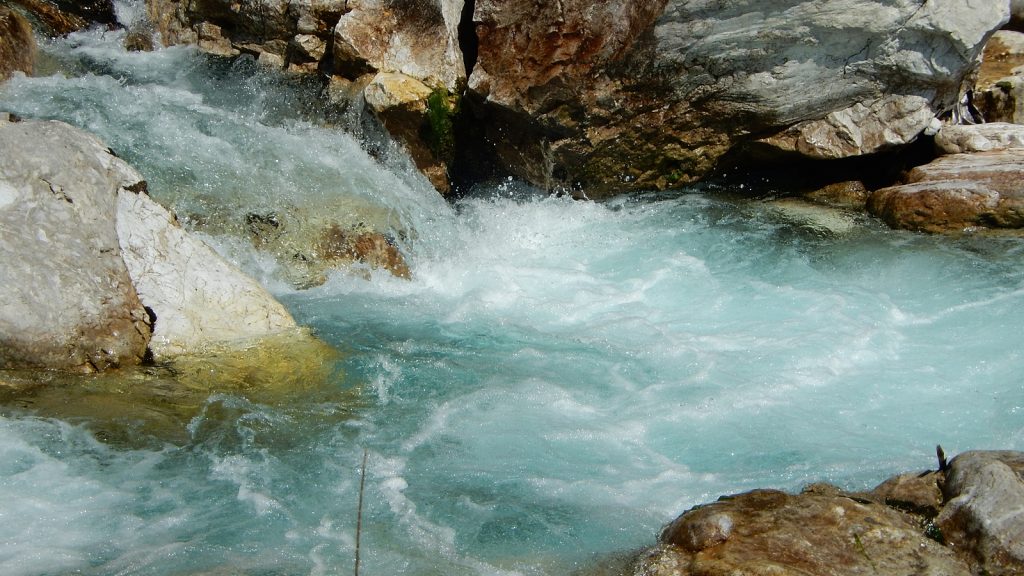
557	380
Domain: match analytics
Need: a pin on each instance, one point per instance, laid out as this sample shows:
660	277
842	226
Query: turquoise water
557	381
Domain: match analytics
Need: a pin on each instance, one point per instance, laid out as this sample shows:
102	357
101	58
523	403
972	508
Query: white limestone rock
965	139
200	300
67	300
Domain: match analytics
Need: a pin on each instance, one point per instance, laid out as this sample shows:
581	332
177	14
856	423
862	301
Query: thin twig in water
359	509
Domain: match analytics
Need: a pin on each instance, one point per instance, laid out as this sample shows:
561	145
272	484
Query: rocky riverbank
967	518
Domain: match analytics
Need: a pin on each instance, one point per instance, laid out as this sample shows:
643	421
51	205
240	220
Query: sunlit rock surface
957	192
197	298
967	518
999	91
771	532
647	95
17	45
984	513
68	301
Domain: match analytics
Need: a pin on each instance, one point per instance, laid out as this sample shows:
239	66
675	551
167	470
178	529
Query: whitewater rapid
556	381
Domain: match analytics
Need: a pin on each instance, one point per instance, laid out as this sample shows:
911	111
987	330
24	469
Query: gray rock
68	301
984	514
636	94
965	139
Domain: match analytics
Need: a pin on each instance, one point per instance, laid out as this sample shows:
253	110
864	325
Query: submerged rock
17	44
68	301
957	192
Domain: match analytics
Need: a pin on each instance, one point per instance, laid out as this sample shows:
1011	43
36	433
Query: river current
557	380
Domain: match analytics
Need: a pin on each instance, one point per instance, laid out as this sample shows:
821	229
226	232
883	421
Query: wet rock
417	116
771	532
53	20
999	90
17	44
851	194
68	300
311	245
983	518
138	41
957	192
634	95
198	300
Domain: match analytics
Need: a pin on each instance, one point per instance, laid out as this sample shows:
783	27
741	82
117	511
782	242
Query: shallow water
557	380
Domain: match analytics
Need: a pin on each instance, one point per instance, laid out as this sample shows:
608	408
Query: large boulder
984	513
68	301
771	532
96	274
614	96
957	192
17	44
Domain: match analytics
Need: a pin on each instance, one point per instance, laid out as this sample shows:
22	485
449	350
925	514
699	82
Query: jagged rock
918	493
418	117
68	301
957	192
417	39
17	44
965	139
633	95
884	124
199	301
54	20
999	90
983	517
817	532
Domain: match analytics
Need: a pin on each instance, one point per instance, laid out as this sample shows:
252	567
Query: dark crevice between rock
774	175
469	43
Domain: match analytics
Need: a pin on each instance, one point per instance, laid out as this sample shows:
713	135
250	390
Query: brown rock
371	248
56	21
957	192
984	515
17	44
850	194
915	493
770	532
999	90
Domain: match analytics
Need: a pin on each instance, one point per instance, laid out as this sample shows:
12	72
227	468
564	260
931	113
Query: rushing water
557	380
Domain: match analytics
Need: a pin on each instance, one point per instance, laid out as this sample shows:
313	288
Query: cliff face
610	96
647	95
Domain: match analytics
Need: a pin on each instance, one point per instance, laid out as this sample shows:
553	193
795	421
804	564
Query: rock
957	192
198	300
417	39
210	38
999	90
917	493
633	95
984	514
849	194
309	244
1016	15
965	139
54	20
138	41
771	532
68	301
17	44
417	116
884	124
